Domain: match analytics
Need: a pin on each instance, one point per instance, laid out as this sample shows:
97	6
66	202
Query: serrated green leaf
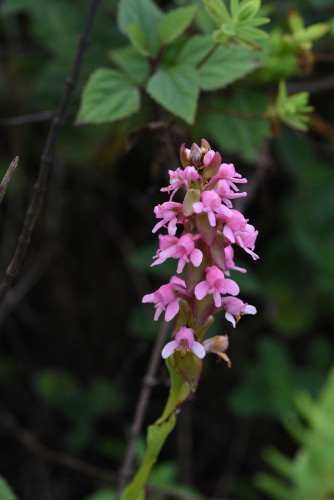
108	96
176	89
144	13
131	62
6	493
137	38
174	23
226	65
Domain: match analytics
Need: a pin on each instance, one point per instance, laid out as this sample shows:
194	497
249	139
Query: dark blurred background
75	339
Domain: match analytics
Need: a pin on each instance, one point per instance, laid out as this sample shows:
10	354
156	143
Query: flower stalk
202	232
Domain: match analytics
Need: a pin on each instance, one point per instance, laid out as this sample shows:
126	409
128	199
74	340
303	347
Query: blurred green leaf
132	63
242	136
141	323
176	89
102	494
225	66
175	22
6	493
137	38
144	13
108	96
142	260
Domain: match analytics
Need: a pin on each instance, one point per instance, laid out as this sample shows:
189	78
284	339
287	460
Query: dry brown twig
8	175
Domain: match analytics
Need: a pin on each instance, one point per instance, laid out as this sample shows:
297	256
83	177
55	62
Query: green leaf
241	136
131	62
175	22
217	11
144	13
225	66
176	89
6	493
195	49
137	38
108	96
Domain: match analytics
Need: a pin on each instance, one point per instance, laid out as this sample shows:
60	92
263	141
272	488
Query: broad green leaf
195	49
175	22
144	13
217	10
176	89
6	493
131	62
108	96
137	38
225	65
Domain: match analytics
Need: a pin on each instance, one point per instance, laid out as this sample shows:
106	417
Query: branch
148	382
47	157
6	179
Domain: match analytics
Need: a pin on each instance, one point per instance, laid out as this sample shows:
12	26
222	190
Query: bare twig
29	441
5	181
148	380
47	157
41	116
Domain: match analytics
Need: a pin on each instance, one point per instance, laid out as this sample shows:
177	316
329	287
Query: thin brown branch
41	116
47	157
207	56
6	179
148	382
29	441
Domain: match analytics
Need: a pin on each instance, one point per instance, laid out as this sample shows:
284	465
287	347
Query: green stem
158	432
207	55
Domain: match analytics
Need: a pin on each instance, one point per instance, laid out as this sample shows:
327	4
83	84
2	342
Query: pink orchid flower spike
184	343
215	284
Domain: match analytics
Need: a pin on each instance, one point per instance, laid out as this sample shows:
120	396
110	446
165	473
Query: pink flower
237	230
227	172
179	248
180	177
168	212
166	298
215	284
184	342
212	205
226	193
235	308
229	262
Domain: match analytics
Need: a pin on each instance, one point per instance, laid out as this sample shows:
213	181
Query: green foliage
239	25
108	96
270	382
102	494
133	64
292	110
80	406
174	23
6	493
176	89
301	37
242	136
143	13
309	475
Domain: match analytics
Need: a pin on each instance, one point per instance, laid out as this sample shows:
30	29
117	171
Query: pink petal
168	252
249	310
198	207
231	287
172	310
196	257
180	266
198	349
201	290
158	311
230	318
212	218
148	298
169	348
217	298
